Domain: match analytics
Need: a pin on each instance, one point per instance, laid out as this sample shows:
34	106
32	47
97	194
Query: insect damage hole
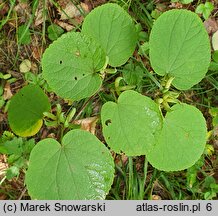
75	78
61	62
107	122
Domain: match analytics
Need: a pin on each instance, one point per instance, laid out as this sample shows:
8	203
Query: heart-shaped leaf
180	47
26	109
181	141
130	124
79	168
70	65
135	126
114	29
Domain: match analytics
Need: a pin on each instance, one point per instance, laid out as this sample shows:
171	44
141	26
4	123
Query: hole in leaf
75	78
107	122
83	74
61	62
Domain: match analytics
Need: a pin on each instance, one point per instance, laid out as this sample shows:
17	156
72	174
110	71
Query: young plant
79	166
24	36
54	32
17	150
205	9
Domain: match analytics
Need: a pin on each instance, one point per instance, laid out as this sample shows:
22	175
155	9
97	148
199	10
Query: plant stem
61	133
169	82
117	84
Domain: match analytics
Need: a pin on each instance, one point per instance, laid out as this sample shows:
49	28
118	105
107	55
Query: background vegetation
26	30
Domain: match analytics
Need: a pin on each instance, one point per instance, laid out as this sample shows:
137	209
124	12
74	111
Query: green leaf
132	74
4	76
70	65
12	159
144	49
130	124
3	150
114	29
206	13
24	35
209	195
215	56
26	109
181	141
214	113
20	162
54	32
208	181
12	172
186	1
28	146
200	9
213	66
7	135
180	47
80	168
214	187
14	146
209	5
